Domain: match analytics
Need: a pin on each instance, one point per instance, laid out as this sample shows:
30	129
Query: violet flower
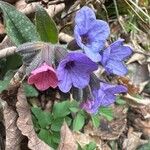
113	56
43	77
75	69
104	96
90	33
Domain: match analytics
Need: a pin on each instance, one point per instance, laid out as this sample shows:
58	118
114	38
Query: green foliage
106	112
78	121
144	147
4	83
96	120
44	118
90	146
61	109
48	124
18	27
30	91
13	62
46	26
120	101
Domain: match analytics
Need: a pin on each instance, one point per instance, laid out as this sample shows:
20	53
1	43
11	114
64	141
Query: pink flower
43	77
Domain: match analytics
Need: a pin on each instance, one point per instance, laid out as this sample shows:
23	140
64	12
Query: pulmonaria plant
43	77
113	57
75	69
104	96
90	33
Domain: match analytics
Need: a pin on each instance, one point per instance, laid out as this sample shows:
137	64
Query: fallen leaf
136	57
136	102
109	130
133	140
13	134
132	89
67	139
25	124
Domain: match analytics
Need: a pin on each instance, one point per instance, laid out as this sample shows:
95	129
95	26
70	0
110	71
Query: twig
7	51
65	37
55	9
19	76
117	14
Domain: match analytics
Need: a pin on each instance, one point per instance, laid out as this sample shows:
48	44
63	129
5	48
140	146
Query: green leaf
56	137
74	106
144	147
68	120
56	124
106	112
46	26
61	109
44	118
96	120
30	91
18	27
13	62
46	136
4	83
90	146
120	101
78	122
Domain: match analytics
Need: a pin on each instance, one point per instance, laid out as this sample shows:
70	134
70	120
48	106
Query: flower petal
113	89
43	77
98	34
107	100
65	82
43	80
79	80
119	51
84	17
116	67
94	56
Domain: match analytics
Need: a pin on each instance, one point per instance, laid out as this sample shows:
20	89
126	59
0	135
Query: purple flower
113	56
75	69
90	33
104	96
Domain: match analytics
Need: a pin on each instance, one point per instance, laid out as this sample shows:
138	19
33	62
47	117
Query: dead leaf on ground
13	134
110	130
132	89
25	124
133	140
136	102
67	139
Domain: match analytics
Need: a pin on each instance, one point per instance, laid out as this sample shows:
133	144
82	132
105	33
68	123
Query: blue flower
113	56
75	69
90	33
104	96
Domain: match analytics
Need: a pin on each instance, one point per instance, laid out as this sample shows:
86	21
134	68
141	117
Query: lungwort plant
52	67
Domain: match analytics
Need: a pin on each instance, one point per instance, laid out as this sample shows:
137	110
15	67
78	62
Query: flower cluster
74	69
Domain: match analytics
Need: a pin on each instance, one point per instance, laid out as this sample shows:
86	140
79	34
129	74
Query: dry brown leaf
109	130
25	124
136	57
67	139
133	140
132	89
83	139
13	134
136	102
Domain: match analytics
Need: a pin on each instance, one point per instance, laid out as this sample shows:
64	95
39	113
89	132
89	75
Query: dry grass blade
67	140
13	134
25	124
